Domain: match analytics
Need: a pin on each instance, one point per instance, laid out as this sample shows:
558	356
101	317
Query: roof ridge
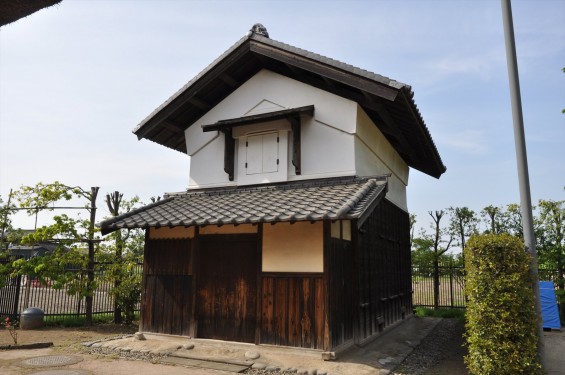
110	221
331	61
349	204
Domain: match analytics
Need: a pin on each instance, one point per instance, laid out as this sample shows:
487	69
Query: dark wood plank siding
166	302
384	269
293	310
340	294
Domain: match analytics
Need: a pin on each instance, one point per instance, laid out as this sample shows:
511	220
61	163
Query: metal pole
522	163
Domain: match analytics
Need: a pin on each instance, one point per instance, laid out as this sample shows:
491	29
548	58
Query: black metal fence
19	293
451	285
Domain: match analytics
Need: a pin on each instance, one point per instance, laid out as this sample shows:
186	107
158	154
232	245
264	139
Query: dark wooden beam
296	144
324	70
199	103
263	117
229	153
228	80
173	126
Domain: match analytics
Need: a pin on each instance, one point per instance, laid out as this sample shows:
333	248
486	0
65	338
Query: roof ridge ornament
258	29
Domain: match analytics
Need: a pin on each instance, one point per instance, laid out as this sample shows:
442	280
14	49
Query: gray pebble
259	366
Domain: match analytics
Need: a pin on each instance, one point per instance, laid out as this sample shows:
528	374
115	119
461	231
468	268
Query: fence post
17	297
451	285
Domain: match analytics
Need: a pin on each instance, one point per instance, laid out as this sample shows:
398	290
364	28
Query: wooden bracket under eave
296	143
229	153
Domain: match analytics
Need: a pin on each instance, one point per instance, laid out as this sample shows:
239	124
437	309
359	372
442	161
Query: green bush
501	317
441	313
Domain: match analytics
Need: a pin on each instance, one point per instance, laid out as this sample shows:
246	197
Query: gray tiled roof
328	199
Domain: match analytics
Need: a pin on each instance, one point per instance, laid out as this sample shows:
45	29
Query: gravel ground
440	353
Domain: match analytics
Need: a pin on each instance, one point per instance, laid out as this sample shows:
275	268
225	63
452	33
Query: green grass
441	313
76	321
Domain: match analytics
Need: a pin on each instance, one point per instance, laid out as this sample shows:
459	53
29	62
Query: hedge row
501	331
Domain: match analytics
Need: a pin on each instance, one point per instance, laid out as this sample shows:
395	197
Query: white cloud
469	141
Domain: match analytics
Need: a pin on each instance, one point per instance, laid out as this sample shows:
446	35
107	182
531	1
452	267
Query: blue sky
76	78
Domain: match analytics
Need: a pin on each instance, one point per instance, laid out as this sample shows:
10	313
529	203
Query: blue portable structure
548	301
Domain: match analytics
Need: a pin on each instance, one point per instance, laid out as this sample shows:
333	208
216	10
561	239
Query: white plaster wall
328	147
374	155
294	247
207	165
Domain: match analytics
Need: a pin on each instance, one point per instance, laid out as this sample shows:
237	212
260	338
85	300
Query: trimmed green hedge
501	331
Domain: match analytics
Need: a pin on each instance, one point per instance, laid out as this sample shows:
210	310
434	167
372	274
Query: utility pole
522	163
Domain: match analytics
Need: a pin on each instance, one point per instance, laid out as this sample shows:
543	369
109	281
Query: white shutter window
270	153
254	157
262	153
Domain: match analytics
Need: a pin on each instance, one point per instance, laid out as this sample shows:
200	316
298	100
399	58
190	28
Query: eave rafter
229	80
199	103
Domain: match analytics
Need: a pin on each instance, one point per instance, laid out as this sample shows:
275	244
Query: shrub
441	313
501	317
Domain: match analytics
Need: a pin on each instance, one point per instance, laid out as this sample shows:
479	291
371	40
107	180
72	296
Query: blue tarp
548	301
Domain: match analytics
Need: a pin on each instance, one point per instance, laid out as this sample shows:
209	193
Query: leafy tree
6	229
491	215
412	228
65	231
463	223
511	220
550	241
123	251
433	247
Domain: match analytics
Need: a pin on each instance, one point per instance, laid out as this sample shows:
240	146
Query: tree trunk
90	266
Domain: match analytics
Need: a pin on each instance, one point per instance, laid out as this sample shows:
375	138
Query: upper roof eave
375	86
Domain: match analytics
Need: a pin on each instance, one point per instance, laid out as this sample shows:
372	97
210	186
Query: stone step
211	359
199	363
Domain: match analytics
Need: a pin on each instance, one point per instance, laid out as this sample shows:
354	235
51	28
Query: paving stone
252	354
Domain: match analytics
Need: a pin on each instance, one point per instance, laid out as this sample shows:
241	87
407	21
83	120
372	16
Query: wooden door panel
227	287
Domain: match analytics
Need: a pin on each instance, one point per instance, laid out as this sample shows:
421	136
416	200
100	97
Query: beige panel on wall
228	229
174	232
297	247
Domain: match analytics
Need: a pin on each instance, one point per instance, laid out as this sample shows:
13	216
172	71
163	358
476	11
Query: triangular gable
264	106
